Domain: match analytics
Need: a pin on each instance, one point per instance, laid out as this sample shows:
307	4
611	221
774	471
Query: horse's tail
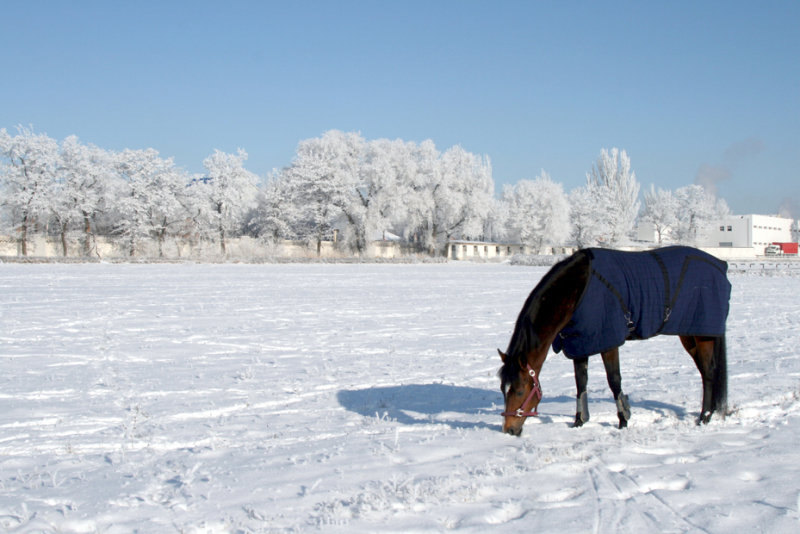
719	386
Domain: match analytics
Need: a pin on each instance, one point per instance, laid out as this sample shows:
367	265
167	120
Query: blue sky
692	90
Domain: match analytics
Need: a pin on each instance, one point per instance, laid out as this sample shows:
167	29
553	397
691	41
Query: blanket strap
668	302
626	312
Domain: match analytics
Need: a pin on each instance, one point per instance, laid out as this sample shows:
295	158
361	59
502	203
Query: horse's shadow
458	406
663	408
415	404
645	406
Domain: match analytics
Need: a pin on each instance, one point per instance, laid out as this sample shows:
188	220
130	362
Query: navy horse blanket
637	295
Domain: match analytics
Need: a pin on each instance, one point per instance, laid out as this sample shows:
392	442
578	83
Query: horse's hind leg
581	379
710	361
611	363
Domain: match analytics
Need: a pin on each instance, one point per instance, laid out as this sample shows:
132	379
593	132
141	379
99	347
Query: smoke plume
710	176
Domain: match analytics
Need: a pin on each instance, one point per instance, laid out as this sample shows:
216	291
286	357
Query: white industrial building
736	236
751	231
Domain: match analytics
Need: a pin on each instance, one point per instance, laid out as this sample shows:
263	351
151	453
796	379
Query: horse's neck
552	307
547	334
563	297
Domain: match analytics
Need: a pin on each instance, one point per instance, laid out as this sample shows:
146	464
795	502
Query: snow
363	398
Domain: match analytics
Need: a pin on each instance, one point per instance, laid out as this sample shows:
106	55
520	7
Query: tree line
338	186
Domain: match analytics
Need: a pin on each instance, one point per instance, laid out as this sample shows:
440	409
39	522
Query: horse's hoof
623	407
623	423
704	418
578	421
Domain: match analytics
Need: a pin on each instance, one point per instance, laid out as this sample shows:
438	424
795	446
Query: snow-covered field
363	398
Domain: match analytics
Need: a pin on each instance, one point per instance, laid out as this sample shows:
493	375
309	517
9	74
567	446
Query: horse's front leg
611	363
581	379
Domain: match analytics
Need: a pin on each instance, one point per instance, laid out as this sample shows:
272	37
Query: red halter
536	390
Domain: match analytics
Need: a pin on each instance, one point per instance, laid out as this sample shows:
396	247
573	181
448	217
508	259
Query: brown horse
593	301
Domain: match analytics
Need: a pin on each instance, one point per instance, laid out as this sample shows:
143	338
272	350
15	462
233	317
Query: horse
596	299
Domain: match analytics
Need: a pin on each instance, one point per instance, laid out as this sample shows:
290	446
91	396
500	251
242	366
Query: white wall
473	250
245	248
733	253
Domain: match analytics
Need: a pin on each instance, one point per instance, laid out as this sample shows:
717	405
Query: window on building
730	229
721	228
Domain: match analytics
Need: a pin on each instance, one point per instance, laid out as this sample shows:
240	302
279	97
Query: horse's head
546	311
521	391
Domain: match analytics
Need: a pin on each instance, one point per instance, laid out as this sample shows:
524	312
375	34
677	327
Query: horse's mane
540	304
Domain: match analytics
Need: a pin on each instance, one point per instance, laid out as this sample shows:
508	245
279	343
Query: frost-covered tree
169	213
362	180
197	224
416	193
661	210
445	195
696	208
323	183
463	199
146	197
84	175
460	193
231	191
27	179
273	217
614	187
314	215
340	181
495	227
588	216
387	170
538	212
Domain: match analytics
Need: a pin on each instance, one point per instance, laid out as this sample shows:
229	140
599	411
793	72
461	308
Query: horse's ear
502	355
